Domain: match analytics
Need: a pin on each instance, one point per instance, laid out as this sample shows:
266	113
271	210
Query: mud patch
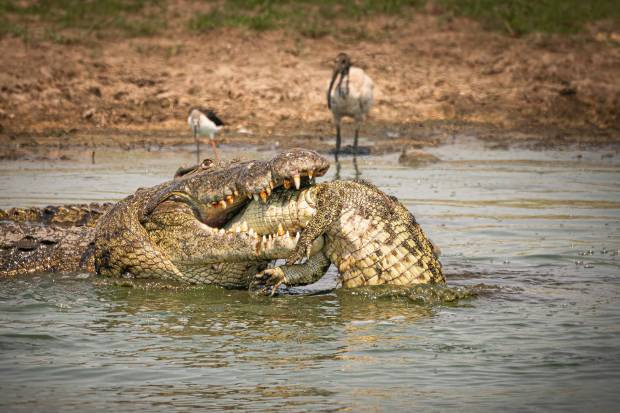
432	76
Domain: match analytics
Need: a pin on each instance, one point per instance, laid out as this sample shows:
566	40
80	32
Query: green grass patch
65	21
316	18
128	17
517	17
311	18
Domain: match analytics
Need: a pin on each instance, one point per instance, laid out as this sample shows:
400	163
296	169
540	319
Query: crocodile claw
269	279
298	255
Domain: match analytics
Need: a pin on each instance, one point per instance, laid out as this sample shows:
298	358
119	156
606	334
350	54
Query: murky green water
540	231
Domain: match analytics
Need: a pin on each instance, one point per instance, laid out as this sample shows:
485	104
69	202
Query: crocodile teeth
244	226
280	229
235	192
252	233
297	180
238	230
222	232
230	199
255	196
297	236
263	196
310	174
223	204
286	184
272	184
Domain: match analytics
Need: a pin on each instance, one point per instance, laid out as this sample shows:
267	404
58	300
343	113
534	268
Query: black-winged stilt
204	121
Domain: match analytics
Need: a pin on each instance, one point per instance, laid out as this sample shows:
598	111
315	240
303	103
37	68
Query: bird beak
329	90
195	129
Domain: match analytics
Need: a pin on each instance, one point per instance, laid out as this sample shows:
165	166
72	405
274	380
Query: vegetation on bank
71	20
517	17
317	17
51	19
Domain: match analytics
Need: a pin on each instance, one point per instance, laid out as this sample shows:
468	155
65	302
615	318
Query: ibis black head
341	68
343	63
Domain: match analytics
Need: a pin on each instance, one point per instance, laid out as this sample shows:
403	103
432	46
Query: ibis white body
349	95
352	97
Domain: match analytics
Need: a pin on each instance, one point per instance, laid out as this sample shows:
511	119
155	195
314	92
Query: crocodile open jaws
223	223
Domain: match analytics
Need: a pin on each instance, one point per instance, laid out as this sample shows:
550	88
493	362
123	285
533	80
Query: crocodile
170	231
52	239
371	237
223	223
176	231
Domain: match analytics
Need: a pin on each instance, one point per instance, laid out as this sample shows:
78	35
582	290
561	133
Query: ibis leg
337	140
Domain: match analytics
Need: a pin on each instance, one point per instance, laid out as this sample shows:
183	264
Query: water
539	230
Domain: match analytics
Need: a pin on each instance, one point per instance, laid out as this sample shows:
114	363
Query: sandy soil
434	79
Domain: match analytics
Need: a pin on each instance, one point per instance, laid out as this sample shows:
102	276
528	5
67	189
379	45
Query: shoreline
434	79
377	138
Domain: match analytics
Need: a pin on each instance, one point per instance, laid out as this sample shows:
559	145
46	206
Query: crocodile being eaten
224	223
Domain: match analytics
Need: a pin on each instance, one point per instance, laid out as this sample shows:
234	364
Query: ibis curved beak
329	90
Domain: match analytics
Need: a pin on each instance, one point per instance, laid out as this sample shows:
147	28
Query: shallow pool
539	230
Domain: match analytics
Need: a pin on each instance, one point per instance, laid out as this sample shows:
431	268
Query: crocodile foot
269	279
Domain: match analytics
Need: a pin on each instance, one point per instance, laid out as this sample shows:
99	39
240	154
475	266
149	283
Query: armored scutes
50	239
221	223
371	237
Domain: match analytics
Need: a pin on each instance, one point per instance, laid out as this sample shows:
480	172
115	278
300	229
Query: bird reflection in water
356	169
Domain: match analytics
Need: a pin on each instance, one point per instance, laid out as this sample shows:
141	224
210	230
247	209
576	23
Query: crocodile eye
206	163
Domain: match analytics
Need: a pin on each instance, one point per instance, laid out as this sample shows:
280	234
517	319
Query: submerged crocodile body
223	223
51	239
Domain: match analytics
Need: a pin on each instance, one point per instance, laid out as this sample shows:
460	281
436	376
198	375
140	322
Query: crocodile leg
123	248
132	254
137	258
294	274
328	209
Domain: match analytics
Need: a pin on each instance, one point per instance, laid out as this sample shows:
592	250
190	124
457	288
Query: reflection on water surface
530	244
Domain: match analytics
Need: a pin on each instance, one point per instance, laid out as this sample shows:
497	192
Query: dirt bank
434	79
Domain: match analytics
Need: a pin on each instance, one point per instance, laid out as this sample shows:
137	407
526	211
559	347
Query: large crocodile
223	223
371	237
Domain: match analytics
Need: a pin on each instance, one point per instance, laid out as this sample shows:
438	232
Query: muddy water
539	230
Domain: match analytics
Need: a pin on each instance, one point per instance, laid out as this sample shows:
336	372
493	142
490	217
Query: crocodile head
216	192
